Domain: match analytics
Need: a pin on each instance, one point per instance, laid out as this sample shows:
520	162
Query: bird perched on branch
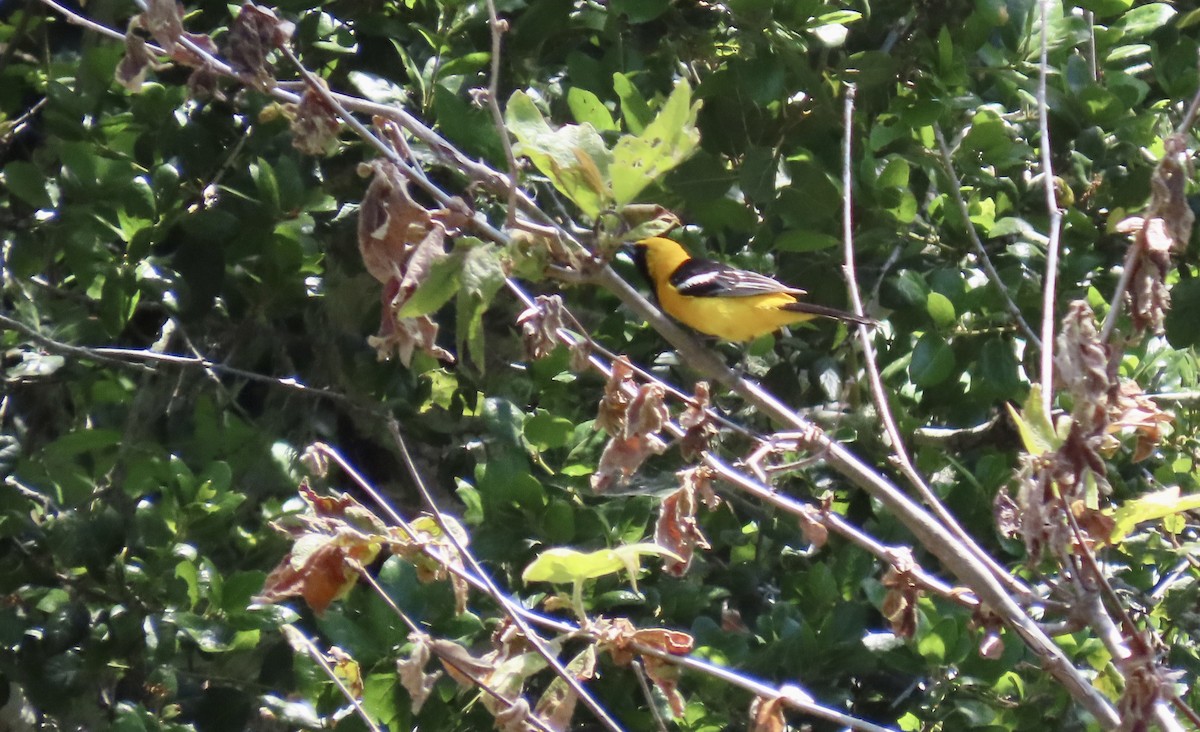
723	301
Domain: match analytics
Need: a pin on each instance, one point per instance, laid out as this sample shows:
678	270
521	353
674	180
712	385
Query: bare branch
1050	280
878	393
498	27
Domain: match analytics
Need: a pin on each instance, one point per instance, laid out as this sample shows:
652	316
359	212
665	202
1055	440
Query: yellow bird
723	301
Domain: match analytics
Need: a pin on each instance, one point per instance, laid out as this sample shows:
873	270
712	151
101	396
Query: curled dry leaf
254	34
540	324
697	423
900	604
766	715
320	568
334	537
399	241
611	415
626	451
1133	410
411	670
1165	229
1007	514
163	20
677	528
620	638
137	61
647	411
1081	364
314	123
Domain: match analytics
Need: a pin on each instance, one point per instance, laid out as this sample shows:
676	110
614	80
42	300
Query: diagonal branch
984	259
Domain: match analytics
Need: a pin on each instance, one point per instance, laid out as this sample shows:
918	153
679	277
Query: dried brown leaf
253	35
677	528
540	324
697	423
1007	514
647	412
411	670
163	20
137	61
900	603
1081	364
390	222
766	715
610	416
315	123
621	459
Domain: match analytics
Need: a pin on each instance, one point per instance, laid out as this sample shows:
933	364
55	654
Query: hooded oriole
723	301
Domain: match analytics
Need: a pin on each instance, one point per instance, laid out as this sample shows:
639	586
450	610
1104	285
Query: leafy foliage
194	262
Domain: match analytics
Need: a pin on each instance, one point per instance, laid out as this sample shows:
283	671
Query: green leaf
441	284
1145	19
665	143
587	108
1106	8
265	182
27	183
561	566
546	431
640	11
634	109
573	157
801	240
940	309
932	361
482	277
1181	324
1036	430
1150	507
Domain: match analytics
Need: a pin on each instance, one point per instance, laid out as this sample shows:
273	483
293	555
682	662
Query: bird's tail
807	307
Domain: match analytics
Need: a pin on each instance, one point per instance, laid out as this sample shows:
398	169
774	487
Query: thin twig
499	597
984	259
295	635
1050	280
640	673
529	717
565	628
878	393
498	28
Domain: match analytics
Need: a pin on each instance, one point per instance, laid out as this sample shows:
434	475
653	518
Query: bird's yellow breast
732	318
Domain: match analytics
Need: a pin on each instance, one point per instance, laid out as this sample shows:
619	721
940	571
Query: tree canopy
331	398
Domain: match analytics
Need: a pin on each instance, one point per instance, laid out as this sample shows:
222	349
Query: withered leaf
255	33
411	671
389	223
137	61
900	603
676	528
697	423
540	324
621	459
315	123
611	415
647	412
766	715
320	568
163	20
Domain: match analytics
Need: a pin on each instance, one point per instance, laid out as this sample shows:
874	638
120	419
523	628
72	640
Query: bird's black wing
705	278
